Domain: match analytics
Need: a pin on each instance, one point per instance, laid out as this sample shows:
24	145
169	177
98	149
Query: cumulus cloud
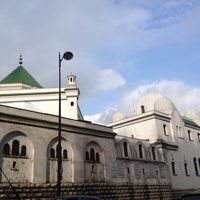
109	79
183	96
107	39
101	118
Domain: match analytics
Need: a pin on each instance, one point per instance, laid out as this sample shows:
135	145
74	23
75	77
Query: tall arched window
15	148
87	155
57	151
97	157
52	153
6	149
23	150
92	155
195	166
65	156
125	149
140	151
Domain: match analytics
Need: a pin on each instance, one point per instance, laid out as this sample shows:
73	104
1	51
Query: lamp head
68	55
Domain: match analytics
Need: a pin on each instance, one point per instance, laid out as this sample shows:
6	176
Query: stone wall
107	191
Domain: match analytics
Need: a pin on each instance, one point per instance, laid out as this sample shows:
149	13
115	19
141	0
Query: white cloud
97	32
183	96
101	118
109	79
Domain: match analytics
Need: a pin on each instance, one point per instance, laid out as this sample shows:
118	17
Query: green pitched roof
20	75
190	122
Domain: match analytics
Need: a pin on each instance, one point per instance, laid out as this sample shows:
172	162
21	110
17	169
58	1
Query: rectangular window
186	169
173	168
190	135
165	129
180	132
15	166
198	137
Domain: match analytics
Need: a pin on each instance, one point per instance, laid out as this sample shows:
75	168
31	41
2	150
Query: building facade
176	137
154	146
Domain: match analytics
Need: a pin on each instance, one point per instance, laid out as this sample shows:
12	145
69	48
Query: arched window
57	151
125	149
87	156
142	109
153	153
6	149
52	153
97	157
140	151
65	154
15	148
92	155
195	166
23	150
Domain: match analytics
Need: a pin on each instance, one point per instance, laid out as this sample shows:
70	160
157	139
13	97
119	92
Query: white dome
118	116
155	101
165	105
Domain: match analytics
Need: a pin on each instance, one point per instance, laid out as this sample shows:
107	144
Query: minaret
72	94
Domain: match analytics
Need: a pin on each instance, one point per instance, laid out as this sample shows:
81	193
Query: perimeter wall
106	191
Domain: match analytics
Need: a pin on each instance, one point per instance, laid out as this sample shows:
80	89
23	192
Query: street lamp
67	56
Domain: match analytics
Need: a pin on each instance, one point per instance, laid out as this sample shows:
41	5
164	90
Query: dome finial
20	59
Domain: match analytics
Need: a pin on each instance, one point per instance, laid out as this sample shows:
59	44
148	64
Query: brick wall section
104	190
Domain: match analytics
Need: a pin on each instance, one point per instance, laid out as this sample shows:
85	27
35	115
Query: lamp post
67	56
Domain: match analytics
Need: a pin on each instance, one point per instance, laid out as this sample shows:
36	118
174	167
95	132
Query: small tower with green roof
19	79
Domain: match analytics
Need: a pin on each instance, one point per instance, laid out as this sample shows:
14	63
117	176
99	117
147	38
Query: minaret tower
72	94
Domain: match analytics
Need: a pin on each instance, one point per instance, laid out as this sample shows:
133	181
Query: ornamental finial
20	59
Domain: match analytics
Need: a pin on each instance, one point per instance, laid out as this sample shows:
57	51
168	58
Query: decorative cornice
160	143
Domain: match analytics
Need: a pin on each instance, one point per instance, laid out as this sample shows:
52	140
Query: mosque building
154	146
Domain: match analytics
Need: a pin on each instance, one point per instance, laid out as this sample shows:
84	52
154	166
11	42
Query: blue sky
123	49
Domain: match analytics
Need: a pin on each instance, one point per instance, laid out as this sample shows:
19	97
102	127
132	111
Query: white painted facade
28	147
90	152
43	100
156	145
178	138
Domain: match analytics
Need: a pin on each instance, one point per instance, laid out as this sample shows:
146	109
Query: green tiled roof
20	75
190	122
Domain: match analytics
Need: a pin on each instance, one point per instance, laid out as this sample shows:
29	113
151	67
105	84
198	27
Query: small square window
72	103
